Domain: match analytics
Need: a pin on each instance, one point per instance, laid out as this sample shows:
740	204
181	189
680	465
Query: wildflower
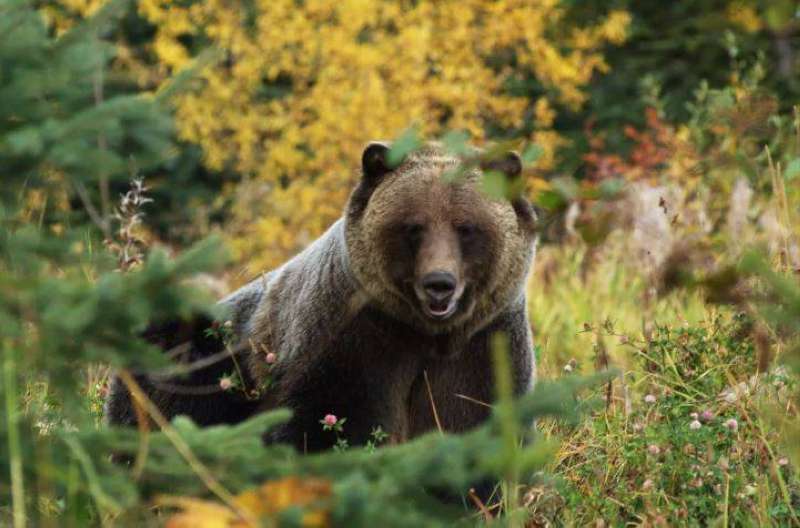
567	368
330	419
706	416
647	485
695	425
650	398
228	324
271	358
732	424
783	461
694	416
750	490
653	449
225	383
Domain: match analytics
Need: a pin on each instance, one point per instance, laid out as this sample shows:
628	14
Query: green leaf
611	189
456	142
567	188
408	142
532	154
550	200
495	184
792	170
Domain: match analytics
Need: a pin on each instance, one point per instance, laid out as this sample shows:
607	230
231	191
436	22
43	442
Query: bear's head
433	250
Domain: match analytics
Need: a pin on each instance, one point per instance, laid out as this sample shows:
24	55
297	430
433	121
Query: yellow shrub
346	71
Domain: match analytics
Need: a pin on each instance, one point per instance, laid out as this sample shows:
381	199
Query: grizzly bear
385	320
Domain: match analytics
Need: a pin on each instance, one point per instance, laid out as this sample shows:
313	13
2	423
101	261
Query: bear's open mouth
441	309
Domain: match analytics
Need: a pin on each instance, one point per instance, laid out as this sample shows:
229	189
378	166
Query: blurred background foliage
605	89
664	145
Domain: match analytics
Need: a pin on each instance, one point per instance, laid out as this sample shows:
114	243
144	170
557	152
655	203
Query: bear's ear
374	162
509	164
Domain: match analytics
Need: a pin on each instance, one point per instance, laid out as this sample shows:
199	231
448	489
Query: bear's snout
439	285
439	292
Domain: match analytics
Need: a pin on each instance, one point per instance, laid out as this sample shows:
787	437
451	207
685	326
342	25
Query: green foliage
691	448
387	486
53	120
672	49
63	306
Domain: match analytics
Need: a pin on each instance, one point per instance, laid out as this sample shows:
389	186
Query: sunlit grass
575	290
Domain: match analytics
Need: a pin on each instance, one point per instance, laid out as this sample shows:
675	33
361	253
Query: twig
473	400
14	445
779	192
433	403
104	501
174	370
90	208
184	450
197	390
143	425
487	515
105	194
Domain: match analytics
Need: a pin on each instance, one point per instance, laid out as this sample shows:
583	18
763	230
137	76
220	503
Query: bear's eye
413	232
467	232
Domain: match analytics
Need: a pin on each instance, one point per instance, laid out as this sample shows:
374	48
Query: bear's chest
368	373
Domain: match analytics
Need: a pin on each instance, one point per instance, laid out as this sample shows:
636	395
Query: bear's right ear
374	162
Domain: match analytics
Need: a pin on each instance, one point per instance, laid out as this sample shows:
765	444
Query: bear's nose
439	285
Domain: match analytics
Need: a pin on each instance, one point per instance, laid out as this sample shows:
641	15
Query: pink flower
271	358
695	425
225	383
732	424
706	416
650	398
330	419
647	485
783	461
653	449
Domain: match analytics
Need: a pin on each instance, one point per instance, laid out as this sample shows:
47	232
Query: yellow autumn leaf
265	502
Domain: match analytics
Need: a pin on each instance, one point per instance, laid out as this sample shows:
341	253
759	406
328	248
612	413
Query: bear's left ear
509	164
374	165
374	162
